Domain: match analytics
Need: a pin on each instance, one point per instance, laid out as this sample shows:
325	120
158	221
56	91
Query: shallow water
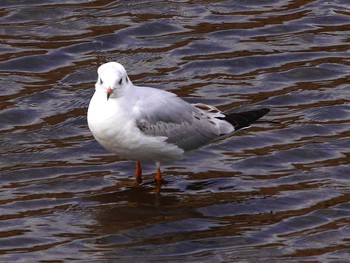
277	192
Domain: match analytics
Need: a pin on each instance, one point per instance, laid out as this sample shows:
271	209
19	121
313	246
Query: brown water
277	192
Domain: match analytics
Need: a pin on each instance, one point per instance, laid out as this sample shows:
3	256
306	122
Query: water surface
277	192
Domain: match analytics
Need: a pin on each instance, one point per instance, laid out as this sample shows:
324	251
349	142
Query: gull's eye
120	81
101	82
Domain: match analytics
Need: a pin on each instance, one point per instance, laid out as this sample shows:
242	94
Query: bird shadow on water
147	193
132	208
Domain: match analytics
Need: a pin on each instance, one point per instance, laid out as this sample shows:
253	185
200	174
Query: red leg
158	178
158	174
138	172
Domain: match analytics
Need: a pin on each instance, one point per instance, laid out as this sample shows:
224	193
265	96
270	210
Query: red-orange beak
109	92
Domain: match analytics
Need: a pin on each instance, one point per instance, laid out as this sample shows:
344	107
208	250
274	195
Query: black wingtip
240	120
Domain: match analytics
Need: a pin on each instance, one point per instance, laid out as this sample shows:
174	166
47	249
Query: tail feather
241	120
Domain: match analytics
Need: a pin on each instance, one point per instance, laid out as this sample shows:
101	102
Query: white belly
119	134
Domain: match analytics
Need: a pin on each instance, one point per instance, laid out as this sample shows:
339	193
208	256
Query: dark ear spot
127	80
101	82
120	81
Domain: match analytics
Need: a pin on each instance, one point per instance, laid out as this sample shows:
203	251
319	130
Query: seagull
146	124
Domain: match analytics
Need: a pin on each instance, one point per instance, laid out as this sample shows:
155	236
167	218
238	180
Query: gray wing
180	122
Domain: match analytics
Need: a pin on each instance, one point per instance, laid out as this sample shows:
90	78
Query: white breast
117	132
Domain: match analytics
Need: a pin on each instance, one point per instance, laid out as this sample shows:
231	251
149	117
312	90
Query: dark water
277	192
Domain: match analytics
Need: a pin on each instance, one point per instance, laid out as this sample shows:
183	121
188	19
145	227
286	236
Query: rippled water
277	192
